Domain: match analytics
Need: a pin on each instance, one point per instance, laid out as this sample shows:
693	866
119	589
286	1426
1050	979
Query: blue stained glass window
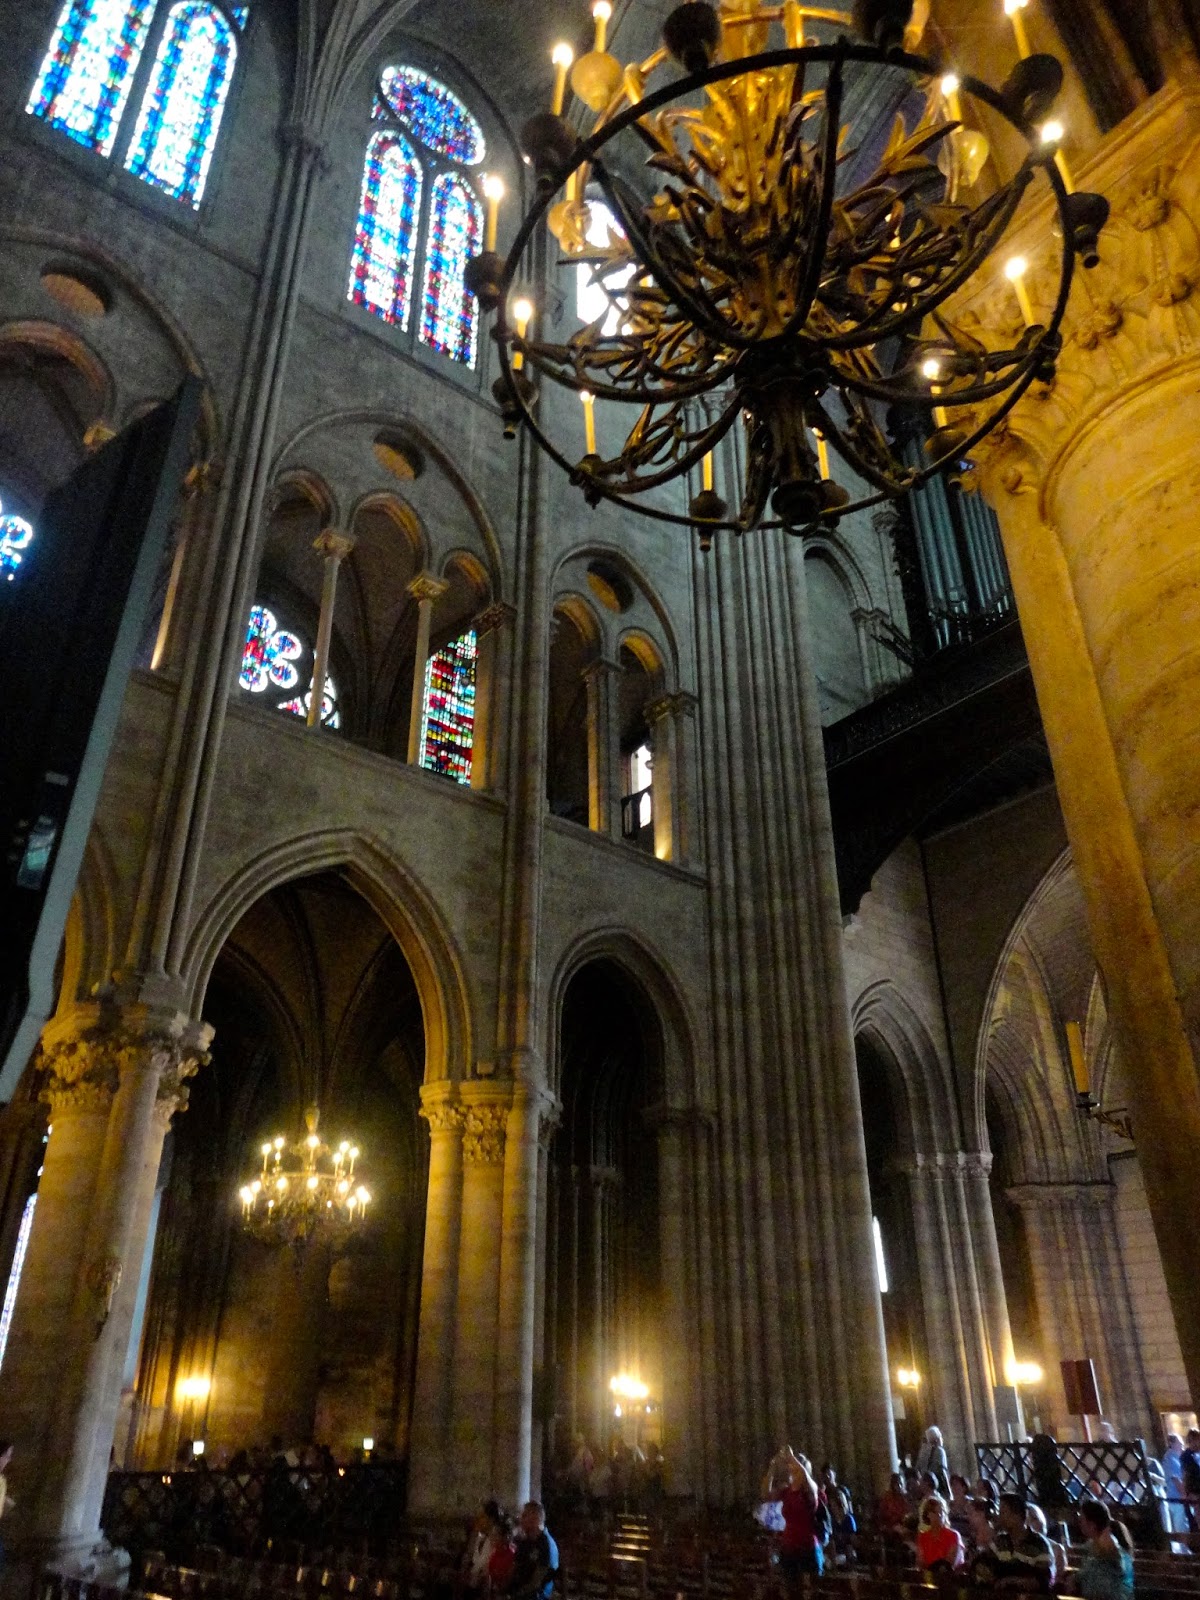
267	660
449	315
448	710
437	117
88	71
381	265
180	115
15	537
14	1276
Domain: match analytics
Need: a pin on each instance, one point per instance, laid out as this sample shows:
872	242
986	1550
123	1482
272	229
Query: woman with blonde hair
939	1546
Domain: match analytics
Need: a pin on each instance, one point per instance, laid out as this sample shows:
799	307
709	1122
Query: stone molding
426	587
599	669
86	1054
333	544
678	705
945	1164
1062	1196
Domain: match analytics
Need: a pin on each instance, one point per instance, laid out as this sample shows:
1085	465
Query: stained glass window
436	116
14	1276
449	315
88	71
270	653
180	115
424	157
15	537
448	710
298	705
381	266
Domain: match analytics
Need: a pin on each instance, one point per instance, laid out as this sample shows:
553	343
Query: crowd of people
625	1475
958	1533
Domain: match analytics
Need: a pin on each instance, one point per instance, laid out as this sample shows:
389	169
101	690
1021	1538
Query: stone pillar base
30	1564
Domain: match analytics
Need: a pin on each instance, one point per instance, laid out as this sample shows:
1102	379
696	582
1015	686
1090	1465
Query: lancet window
419	216
16	535
448	709
175	61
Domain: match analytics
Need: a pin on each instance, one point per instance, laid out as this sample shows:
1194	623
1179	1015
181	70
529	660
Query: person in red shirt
939	1546
800	1543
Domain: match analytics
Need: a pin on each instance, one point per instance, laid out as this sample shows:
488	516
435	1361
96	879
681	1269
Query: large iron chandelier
305	1187
763	273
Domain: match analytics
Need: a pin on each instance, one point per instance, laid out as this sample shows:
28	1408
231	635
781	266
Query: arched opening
884	1122
312	1003
567	783
641	680
604	1269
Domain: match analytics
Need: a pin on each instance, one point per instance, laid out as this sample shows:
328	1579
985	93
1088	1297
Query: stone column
335	547
430	1455
487	747
116	1075
946	1387
473	1394
518	1294
976	1167
679	1317
1095	485
1082	1297
425	589
672	792
603	680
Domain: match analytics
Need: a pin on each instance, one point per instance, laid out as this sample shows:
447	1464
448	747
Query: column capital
678	704
599	669
684	1118
440	1107
604	1180
494	617
333	544
87	1051
425	586
485	1108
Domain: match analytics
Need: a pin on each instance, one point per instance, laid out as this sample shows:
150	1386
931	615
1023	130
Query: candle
950	85
493	193
1052	134
562	56
822	453
932	369
793	25
522	313
1013	9
601	12
1015	271
706	467
589	419
1078	1061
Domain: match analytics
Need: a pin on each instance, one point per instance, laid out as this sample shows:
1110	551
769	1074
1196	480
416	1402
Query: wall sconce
1024	1374
908	1377
196	1387
1118	1119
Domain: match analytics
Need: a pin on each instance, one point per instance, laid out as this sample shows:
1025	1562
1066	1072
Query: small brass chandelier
750	281
305	1188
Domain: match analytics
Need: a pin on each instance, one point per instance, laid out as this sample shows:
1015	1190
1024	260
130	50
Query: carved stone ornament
103	1279
84	1066
443	1116
483	1135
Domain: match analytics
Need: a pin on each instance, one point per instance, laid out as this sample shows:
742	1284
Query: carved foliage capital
484	1128
86	1061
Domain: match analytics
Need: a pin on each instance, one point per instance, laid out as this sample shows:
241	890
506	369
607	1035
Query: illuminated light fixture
812	321
197	1448
1024	1374
368	1445
195	1387
304	1188
1014	270
908	1378
625	1387
1117	1118
493	193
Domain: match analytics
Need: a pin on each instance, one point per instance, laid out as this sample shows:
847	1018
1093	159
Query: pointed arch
449	315
87	73
180	114
381	263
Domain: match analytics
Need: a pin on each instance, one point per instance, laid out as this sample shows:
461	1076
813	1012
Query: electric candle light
1052	133
932	369
522	315
706	468
562	56
1013	10
589	419
822	452
1015	271
493	193
950	85
601	12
